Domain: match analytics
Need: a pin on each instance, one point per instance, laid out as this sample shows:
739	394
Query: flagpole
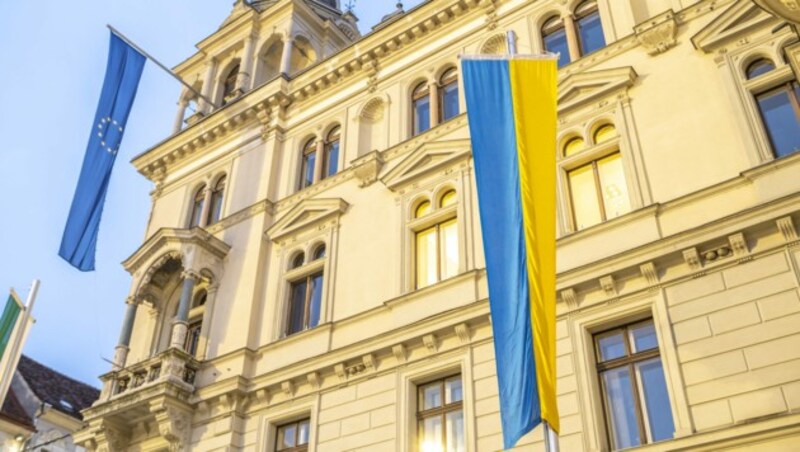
20	332
550	436
158	63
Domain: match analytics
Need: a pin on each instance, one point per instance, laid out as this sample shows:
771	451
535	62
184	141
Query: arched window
195	327
448	95
759	67
319	253
269	63
554	38
197	207
330	158
303	54
779	107
573	146
604	133
229	85
421	108
217	197
298	260
588	28
308	164
436	246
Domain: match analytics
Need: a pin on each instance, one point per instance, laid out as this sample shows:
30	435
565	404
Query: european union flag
123	72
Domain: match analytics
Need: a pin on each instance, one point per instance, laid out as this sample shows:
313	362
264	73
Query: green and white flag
8	322
15	323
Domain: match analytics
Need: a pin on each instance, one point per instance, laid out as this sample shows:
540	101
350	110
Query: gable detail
307	215
580	89
425	160
742	17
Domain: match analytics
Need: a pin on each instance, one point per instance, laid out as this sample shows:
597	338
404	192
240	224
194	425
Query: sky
52	63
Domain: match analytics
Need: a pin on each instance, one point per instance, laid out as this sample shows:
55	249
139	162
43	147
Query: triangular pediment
309	213
585	87
742	17
425	160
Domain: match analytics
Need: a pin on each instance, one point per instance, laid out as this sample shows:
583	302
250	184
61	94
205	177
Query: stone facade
707	246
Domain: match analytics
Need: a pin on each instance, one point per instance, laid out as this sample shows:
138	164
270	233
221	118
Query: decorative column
206	206
572	40
208	85
178	125
121	350
286	57
433	91
246	68
319	161
180	324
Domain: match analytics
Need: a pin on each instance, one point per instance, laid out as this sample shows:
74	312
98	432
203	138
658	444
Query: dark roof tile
65	394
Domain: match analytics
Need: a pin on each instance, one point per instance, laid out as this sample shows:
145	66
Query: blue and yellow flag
511	105
123	72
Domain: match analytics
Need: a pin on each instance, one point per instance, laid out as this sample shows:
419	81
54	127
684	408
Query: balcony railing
172	366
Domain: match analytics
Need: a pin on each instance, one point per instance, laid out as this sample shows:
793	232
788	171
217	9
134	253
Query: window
440	415
598	191
588	28
759	67
633	387
319	253
308	165
229	85
217	196
293	437
197	207
305	291
436	245
330	158
573	146
780	113
196	313
421	108
554	37
193	338
448	95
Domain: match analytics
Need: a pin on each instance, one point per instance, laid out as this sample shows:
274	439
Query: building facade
313	278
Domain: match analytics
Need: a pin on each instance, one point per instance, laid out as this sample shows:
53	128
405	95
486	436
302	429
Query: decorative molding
430	342
692	259
741	18
288	388
306	215
339	370
569	296
313	379
369	362
583	88
367	168
425	160
658	34
787	229
738	244
399	352
607	283
463	333
650	273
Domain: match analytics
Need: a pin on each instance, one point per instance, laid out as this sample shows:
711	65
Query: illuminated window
633	387
197	207
421	108
448	95
217	197
330	158
604	133
293	437
573	146
308	164
588	28
554	37
598	191
436	246
440	415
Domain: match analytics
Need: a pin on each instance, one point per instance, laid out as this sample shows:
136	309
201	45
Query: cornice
164	237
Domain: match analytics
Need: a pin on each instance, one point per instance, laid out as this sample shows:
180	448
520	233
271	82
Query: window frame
421	90
449	77
217	193
591	7
441	411
310	268
629	361
788	87
196	207
307	150
434	218
334	137
296	423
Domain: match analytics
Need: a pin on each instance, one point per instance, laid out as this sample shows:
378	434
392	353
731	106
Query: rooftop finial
351	4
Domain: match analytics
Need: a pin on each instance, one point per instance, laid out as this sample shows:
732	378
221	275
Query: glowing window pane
605	133
423	209
574	146
449	252
613	186
426	257
449	198
583	191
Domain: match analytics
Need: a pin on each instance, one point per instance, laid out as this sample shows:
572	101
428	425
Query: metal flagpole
158	63
550	436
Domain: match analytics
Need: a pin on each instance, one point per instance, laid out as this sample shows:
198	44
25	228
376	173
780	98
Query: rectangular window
598	191
448	101
193	338
307	172
422	115
780	112
304	305
633	387
440	415
590	32
293	437
437	253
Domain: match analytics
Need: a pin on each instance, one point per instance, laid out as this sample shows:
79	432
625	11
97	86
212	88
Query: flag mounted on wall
123	72
511	105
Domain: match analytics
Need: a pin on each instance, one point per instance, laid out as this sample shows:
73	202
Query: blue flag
123	72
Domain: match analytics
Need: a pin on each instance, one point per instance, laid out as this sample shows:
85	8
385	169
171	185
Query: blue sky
52	63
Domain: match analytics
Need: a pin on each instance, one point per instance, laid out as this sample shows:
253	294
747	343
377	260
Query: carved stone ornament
658	34
367	168
173	426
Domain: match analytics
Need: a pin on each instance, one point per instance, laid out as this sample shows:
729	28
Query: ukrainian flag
511	104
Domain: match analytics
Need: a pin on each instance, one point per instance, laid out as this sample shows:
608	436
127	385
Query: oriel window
440	416
554	37
588	28
633	387
448	95
308	164
421	108
330	161
197	207
217	198
293	437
